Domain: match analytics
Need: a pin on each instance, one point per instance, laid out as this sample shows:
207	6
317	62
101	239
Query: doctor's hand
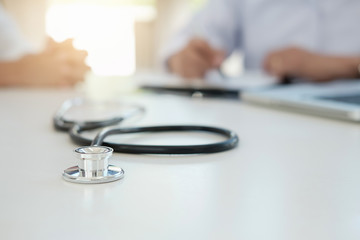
195	59
300	63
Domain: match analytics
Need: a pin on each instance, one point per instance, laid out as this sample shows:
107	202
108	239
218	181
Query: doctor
313	39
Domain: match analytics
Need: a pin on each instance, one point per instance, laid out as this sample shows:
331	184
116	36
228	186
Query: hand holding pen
196	59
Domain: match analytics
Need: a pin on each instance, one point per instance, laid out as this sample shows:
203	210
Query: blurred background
122	36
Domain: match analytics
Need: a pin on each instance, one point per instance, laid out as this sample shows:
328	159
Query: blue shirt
257	27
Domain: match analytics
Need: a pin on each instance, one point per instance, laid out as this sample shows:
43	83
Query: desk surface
292	177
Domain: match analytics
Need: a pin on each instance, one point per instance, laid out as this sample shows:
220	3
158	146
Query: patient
59	64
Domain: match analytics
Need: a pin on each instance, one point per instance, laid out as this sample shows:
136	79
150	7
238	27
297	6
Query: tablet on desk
211	92
339	99
231	88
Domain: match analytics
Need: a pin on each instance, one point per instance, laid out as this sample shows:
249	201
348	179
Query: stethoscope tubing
76	129
230	142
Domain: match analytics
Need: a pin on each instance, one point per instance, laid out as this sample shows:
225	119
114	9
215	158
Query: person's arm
210	36
300	63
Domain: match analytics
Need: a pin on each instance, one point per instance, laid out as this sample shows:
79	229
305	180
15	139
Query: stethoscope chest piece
93	166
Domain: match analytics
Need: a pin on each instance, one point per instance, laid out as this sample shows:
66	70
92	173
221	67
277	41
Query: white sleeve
12	44
216	23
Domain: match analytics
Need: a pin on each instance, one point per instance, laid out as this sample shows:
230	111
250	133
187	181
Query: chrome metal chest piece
93	166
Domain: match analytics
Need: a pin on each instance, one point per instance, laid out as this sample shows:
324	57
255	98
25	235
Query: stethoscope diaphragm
93	166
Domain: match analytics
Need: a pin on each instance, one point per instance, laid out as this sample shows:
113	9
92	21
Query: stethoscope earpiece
93	166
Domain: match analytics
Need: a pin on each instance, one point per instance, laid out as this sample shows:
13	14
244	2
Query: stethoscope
93	159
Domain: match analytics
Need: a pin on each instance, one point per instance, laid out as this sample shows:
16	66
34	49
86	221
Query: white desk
292	177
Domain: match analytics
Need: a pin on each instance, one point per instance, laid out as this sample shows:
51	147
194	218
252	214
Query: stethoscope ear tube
230	142
65	125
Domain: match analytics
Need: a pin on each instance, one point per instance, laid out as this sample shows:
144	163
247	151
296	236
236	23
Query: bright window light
106	32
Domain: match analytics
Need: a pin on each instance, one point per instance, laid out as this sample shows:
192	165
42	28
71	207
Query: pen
286	80
221	74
